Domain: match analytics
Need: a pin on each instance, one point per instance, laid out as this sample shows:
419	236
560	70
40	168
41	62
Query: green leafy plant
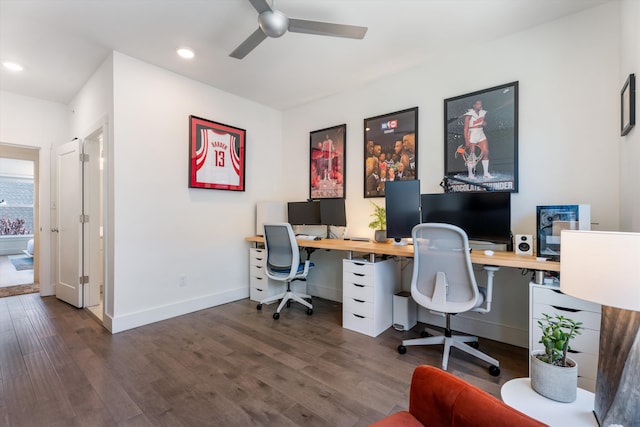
557	331
380	217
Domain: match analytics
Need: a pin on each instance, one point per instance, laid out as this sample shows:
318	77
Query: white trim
133	320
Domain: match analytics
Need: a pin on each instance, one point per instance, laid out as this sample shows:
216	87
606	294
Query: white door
68	199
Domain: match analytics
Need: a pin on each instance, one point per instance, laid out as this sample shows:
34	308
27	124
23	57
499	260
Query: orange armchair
440	399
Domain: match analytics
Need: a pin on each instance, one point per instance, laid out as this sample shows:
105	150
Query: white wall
568	127
630	144
32	122
163	229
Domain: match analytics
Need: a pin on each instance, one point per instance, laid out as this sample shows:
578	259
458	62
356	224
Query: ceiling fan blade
326	29
249	44
260	5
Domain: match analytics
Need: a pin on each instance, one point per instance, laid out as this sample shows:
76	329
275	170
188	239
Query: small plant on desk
557	331
379	224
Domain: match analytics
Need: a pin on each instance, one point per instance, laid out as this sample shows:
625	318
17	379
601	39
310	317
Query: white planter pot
554	382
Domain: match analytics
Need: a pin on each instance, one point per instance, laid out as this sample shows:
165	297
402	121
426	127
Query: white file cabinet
260	286
367	295
584	347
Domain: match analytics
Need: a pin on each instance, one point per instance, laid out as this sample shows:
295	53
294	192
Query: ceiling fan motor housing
273	23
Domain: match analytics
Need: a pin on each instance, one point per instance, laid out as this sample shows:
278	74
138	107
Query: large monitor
484	216
332	212
303	213
402	202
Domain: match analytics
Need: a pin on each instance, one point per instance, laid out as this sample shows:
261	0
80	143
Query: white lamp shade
601	266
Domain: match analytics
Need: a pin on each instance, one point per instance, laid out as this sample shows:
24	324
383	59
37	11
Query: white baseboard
133	320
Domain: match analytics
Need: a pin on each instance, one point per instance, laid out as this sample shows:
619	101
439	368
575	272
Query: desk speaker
524	244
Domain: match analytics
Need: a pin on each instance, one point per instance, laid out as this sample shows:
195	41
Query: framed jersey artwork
481	140
216	155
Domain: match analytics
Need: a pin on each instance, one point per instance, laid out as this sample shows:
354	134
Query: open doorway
19	237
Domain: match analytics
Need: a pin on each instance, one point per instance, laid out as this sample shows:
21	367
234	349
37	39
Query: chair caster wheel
309	311
494	371
474	344
424	334
259	306
276	316
402	349
289	304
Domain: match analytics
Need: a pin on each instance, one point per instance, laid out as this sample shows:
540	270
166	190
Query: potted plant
553	374
379	224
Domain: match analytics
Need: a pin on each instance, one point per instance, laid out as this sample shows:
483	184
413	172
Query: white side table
518	394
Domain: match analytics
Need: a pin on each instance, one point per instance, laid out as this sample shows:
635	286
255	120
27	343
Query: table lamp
604	267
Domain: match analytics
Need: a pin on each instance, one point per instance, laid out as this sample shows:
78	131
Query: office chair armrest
488	297
307	265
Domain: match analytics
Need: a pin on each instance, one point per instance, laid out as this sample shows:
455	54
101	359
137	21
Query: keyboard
307	237
360	239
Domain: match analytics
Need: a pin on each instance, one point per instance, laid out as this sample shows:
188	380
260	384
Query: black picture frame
628	105
496	123
327	167
390	140
216	155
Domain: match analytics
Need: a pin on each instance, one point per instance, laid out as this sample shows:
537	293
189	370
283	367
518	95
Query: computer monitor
332	212
402	202
303	213
484	216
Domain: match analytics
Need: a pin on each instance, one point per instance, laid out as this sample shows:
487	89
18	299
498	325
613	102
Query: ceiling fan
273	23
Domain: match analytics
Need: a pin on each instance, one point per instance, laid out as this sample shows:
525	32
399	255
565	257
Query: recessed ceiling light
12	66
186	53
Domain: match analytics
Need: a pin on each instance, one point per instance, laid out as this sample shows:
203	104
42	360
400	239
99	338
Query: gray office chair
283	264
444	282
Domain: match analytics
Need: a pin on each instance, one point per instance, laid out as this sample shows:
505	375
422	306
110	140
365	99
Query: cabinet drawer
357	278
558	299
261	261
589	319
359	267
358	323
258	293
258	282
257	271
358	306
357	291
587	342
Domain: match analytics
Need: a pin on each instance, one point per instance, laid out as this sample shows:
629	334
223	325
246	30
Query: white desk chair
283	264
443	281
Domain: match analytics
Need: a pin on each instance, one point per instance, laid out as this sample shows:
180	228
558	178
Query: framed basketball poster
216	155
481	140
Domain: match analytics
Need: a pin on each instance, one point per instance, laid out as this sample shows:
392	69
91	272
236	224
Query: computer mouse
489	252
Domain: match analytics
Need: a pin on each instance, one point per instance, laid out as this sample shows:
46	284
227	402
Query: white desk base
518	394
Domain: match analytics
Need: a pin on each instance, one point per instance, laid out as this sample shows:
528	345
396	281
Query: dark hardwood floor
226	366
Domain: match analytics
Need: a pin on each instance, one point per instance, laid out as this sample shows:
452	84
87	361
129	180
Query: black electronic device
303	213
484	216
333	212
402	203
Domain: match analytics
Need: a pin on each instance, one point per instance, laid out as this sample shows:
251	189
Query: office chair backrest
283	255
443	278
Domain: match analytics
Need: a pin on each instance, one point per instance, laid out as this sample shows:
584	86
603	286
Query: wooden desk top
501	259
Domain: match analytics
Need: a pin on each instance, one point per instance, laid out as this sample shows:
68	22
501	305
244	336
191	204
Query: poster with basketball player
481	140
390	150
216	155
327	166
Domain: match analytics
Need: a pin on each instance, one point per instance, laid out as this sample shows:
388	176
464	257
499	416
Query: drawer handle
359	263
570	310
573	351
358	285
357	315
259	278
258	266
358	300
358	274
260	290
259	259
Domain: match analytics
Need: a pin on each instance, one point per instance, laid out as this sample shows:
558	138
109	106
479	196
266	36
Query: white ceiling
62	42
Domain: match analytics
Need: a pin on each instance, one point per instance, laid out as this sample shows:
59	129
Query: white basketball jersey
217	161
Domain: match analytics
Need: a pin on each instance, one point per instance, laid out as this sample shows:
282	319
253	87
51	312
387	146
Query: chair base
457	341
287	296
